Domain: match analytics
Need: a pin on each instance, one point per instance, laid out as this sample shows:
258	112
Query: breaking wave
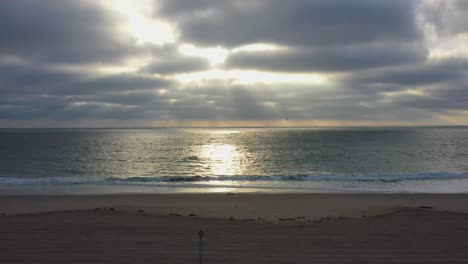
174	180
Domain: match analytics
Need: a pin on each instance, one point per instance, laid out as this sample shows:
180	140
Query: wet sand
239	228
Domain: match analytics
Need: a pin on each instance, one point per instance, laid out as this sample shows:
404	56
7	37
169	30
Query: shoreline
45	186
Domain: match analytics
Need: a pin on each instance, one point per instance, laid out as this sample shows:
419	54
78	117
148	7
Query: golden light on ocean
222	159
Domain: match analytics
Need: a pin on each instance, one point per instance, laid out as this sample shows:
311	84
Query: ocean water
380	159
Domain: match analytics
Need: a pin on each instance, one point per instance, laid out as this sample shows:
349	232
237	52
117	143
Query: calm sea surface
309	159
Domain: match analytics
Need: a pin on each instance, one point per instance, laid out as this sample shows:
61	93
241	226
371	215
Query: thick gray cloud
61	31
445	70
115	83
34	79
331	59
30	92
178	65
452	96
169	61
299	102
297	22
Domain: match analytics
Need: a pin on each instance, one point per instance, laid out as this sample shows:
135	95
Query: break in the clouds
233	62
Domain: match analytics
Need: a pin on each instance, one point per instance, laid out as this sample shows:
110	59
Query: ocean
344	159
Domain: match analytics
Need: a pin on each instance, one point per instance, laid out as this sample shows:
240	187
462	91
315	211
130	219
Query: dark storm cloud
138	98
181	65
440	86
453	96
115	83
433	72
32	78
116	106
297	22
34	92
245	103
348	58
61	31
36	79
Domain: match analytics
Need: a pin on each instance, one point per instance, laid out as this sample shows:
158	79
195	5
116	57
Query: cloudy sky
127	63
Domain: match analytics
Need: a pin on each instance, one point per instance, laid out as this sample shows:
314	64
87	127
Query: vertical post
200	247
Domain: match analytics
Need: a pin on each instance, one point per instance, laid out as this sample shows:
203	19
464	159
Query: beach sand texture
303	228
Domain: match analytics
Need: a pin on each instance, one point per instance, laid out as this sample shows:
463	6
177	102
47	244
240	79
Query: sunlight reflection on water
222	159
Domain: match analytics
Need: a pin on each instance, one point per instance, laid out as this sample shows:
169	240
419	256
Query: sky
149	63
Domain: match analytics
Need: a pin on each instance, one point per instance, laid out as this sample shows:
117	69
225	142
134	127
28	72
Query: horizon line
231	127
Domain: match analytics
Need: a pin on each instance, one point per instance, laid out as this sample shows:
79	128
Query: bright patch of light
101	105
162	91
221	189
453	47
258	47
441	46
252	77
216	55
140	23
222	159
454	118
270	104
417	92
128	66
223	132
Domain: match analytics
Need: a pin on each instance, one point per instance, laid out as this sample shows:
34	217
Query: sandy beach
239	228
